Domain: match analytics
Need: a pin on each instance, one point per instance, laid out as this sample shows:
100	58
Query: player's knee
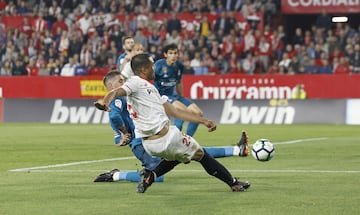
198	155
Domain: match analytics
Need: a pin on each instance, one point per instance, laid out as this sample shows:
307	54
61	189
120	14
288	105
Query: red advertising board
270	86
195	87
315	6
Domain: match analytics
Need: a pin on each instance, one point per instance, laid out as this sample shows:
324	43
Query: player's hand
125	139
99	104
211	125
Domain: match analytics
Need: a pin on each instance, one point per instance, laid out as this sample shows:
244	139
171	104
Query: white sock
116	176
236	150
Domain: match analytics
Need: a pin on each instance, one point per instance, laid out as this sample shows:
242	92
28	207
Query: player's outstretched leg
239	186
243	145
216	169
106	177
147	177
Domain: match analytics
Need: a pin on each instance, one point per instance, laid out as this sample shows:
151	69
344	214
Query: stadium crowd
83	37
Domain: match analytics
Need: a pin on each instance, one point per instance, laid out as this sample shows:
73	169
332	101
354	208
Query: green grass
310	177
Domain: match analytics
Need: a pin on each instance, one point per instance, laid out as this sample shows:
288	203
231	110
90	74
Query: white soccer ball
263	150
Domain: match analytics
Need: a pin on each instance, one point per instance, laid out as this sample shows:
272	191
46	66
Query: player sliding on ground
123	128
150	115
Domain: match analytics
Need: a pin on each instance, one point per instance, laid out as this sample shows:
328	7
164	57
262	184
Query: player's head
171	53
128	43
113	79
137	49
143	66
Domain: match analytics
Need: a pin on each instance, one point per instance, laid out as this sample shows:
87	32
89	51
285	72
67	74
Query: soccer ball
263	150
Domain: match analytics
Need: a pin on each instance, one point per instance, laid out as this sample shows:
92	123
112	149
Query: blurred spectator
248	9
222	23
227	46
285	61
237	69
205	27
116	35
196	64
54	11
276	45
6	69
312	68
85	22
248	64
75	44
274	68
269	11
222	64
249	42
23	7
86	54
341	66
155	39
298	38
101	56
264	52
63	45
294	66
173	24
323	21
355	60
112	22
40	24
80	69
19	68
141	39
174	37
299	92
326	67
43	70
31	68
69	68
53	67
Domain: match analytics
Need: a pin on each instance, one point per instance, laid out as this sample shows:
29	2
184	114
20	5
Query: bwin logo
77	114
256	115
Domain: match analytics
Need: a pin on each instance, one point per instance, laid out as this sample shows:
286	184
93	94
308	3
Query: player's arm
122	136
188	116
103	104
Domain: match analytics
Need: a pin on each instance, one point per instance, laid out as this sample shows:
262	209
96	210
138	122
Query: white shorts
175	145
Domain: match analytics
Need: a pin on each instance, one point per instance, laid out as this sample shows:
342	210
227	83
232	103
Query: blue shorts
181	99
147	161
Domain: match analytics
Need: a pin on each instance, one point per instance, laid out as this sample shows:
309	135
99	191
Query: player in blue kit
128	44
168	74
123	127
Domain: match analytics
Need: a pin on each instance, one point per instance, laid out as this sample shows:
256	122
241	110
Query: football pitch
48	169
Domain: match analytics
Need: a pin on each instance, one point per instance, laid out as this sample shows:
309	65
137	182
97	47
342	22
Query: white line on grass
69	164
301	140
132	157
194	170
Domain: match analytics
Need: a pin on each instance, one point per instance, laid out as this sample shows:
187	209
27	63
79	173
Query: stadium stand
222	36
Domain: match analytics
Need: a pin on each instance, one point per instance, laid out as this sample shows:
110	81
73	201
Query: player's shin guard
164	166
216	169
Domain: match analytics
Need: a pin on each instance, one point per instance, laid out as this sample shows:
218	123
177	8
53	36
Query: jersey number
133	114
